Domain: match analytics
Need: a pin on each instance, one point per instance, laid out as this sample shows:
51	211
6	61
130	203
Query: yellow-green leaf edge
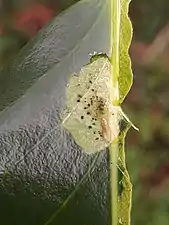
125	73
125	82
122	74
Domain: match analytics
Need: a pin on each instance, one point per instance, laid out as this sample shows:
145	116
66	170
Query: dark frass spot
97	138
92	89
100	134
90	81
89	127
79	96
93	124
82	117
88	104
88	113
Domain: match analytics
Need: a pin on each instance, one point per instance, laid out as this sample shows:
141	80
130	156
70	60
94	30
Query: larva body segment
105	130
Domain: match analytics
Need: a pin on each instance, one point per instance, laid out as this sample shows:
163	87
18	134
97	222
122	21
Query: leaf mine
90	116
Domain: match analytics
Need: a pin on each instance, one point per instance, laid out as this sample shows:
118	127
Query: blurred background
147	103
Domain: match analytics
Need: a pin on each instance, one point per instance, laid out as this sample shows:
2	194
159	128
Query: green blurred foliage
148	106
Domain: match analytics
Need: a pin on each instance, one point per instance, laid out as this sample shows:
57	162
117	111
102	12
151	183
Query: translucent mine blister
90	116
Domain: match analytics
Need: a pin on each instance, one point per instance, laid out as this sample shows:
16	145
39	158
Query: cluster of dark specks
98	110
79	97
101	105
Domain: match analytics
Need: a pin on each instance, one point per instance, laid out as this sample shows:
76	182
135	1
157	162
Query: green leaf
58	44
45	177
125	197
125	76
122	78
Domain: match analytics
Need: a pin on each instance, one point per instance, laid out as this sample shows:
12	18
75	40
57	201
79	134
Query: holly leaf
46	178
